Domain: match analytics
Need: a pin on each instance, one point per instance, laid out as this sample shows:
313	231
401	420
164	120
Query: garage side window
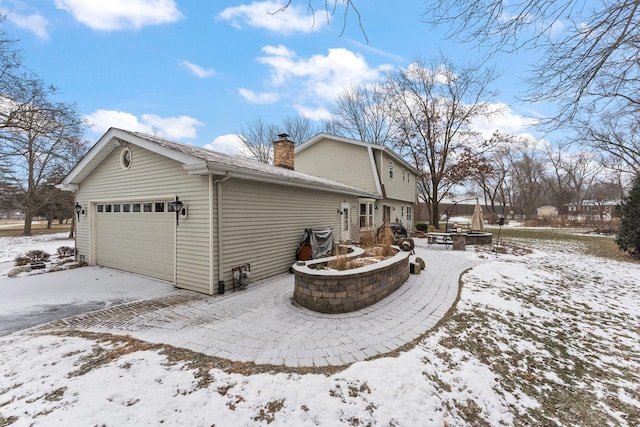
107	208
136	207
147	207
126	207
159	206
100	208
116	208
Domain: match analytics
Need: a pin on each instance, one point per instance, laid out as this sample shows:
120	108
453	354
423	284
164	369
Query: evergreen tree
628	238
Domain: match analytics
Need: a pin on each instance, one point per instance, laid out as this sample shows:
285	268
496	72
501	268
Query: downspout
219	182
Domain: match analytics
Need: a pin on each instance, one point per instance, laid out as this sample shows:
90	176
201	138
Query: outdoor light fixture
79	210
339	211
176	206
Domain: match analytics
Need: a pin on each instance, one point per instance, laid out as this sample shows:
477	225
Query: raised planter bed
332	291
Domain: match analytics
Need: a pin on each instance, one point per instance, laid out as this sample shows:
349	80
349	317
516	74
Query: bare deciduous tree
431	108
39	136
589	50
299	128
360	113
526	179
258	136
616	137
491	177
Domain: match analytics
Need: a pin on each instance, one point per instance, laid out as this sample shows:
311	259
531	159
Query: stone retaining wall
328	291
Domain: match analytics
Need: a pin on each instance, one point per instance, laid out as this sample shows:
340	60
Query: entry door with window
345	228
386	214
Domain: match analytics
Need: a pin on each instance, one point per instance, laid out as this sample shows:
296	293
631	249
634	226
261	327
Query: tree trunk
28	218
49	221
435	215
72	231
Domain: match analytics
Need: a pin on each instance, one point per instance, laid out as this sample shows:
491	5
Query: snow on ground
548	338
11	247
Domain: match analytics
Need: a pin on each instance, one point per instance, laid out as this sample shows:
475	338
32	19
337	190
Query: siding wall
263	224
396	188
346	163
152	176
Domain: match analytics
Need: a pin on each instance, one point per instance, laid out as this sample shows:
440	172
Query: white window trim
369	203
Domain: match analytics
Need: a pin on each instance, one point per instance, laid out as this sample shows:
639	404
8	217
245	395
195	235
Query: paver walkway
264	326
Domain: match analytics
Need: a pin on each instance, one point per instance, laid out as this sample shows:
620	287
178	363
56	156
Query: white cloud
322	76
504	119
316	114
270	16
258	98
229	144
168	127
198	71
173	127
111	15
34	22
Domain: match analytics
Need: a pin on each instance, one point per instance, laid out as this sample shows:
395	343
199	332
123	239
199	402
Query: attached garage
239	211
136	237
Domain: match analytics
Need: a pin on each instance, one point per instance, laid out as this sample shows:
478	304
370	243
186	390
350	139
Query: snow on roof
200	160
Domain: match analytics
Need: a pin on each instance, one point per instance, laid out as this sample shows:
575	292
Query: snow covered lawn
11	247
550	337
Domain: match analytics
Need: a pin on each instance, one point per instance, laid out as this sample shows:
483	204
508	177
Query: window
116	208
107	208
100	208
409	213
366	214
136	207
159	207
391	169
404	174
125	158
402	211
126	207
147	207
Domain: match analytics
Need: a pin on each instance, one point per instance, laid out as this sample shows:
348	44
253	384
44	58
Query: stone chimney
283	152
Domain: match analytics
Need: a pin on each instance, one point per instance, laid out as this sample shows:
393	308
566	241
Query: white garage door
136	237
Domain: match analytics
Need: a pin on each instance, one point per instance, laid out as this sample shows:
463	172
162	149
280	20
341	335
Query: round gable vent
125	158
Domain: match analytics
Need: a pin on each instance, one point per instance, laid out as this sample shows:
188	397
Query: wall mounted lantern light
79	210
176	206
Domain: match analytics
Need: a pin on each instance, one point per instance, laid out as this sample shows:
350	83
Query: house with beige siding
234	212
372	167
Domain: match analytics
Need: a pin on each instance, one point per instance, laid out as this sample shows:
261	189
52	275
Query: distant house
372	167
235	211
546	211
592	209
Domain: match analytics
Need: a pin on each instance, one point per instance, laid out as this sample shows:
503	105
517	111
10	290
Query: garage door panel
141	243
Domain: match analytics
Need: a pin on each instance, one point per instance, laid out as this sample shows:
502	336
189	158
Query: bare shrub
66	251
17	270
387	241
368	240
35	255
340	262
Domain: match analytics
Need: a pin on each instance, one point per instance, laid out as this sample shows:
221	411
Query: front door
386	218
345	227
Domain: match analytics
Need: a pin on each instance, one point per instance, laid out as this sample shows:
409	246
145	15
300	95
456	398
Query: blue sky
196	71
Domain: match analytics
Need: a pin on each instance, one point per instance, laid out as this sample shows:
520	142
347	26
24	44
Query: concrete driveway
33	300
